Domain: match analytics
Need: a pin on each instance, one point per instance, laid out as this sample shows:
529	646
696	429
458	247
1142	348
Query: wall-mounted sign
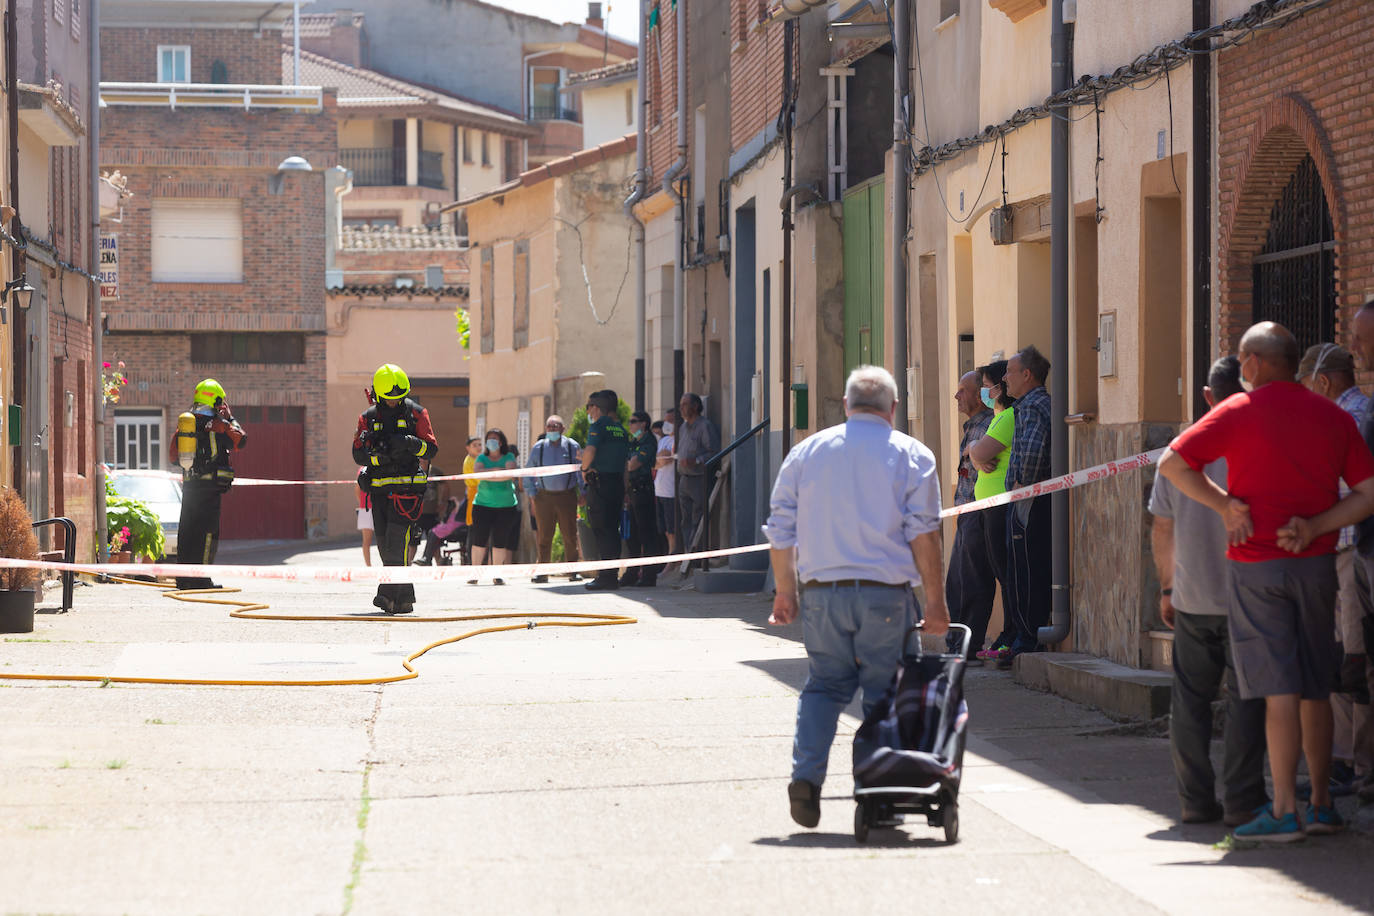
108	269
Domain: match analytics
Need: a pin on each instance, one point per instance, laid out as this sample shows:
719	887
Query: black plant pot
16	610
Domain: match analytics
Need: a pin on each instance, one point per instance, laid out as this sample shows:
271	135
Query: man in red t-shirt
1287	451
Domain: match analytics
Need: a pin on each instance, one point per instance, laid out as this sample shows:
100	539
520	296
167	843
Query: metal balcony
554	113
212	95
386	167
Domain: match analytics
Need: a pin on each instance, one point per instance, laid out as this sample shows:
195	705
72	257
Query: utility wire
1263	16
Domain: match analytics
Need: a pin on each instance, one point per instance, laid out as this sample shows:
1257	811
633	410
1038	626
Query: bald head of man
967	395
1268	353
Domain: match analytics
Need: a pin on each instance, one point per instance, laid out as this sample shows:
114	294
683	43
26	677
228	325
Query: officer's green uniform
644	539
606	489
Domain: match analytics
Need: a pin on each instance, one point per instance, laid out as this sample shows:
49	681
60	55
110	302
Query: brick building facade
1289	96
221	265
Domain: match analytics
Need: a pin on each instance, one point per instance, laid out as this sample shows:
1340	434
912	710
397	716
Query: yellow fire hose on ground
249	610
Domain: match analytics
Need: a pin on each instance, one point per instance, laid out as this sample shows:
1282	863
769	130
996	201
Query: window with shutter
522	293
488	280
59	10
76	19
197	241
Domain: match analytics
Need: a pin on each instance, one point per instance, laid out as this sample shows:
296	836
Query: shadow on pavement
880	839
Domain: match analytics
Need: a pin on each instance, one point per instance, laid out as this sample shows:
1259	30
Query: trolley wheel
861	823
950	821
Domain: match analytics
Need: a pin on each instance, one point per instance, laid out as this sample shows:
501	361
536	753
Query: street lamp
289	164
22	292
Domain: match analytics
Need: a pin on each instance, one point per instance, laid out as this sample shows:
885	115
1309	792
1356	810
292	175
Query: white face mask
667	428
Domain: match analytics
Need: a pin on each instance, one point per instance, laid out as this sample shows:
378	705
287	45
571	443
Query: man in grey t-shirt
1189	541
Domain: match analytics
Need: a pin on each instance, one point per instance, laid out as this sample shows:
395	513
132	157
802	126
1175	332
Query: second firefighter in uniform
393	435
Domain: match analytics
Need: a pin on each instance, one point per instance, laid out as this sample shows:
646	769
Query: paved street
622	769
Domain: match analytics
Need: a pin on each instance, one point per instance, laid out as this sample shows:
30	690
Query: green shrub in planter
145	531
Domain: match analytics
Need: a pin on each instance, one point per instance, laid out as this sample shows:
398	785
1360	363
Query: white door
138	438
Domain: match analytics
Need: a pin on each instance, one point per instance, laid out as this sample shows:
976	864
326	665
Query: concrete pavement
617	769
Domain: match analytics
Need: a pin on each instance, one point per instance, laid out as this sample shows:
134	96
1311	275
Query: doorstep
1130	693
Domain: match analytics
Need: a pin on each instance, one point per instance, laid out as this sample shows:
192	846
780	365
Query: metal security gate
865	209
1295	272
276	451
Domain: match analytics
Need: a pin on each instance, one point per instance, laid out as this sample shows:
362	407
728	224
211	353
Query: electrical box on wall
999	220
756	399
966	363
15	420
800	405
1106	344
913	393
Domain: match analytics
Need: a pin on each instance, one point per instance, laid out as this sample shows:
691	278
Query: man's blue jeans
853	636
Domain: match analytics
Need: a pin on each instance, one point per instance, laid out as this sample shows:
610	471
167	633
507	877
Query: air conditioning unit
1000	223
434	276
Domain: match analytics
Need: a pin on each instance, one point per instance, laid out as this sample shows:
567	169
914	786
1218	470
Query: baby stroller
909	752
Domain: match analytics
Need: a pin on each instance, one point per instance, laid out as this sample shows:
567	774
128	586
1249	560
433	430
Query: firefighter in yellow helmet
206	434
393	436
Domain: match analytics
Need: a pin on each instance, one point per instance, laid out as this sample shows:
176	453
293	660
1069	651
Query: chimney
346	39
594	19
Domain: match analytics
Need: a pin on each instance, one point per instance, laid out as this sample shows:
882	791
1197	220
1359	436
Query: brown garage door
275	451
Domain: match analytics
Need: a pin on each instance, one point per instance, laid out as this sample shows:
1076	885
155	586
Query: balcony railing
386	167
212	95
554	113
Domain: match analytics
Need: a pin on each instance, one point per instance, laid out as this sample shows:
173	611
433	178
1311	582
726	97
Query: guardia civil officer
206	434
393	435
603	468
645	539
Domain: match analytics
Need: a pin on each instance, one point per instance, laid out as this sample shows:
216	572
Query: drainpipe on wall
669	180
789	192
296	40
96	392
1060	66
641	183
901	144
19	332
1202	211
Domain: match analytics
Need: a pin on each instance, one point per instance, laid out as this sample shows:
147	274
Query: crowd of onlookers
1263	540
1005	446
666	485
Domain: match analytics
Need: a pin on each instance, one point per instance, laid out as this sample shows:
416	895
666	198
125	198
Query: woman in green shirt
496	508
989	455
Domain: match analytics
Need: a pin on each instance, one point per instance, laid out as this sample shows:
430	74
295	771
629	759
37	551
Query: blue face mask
493	445
553	436
986	395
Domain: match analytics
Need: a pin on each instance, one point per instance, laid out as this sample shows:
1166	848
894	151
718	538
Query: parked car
160	492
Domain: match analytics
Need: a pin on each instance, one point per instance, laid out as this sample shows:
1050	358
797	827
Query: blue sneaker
1323	819
1266	828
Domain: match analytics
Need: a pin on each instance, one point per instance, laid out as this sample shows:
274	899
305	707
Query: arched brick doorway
1294	273
1283	195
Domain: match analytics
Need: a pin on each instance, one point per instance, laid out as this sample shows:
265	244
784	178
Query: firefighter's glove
414	445
1353	680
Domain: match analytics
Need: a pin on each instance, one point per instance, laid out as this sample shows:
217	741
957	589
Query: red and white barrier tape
552	470
369	573
1067	482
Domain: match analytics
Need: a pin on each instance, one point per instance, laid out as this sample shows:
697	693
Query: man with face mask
555	499
971	582
644	540
1286	452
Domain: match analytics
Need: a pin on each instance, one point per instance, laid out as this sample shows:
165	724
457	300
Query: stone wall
1115	589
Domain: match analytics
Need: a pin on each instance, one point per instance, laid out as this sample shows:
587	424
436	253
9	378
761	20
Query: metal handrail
68	556
740	440
713	460
212	95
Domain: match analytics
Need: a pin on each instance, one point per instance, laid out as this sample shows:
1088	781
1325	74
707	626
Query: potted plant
132	526
17	584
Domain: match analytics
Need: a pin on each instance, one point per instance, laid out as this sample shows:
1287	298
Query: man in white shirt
856	519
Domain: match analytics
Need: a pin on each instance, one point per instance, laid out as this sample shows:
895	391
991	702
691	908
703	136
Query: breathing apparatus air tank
186	440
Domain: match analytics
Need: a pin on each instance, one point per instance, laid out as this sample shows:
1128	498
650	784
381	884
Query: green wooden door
865	210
